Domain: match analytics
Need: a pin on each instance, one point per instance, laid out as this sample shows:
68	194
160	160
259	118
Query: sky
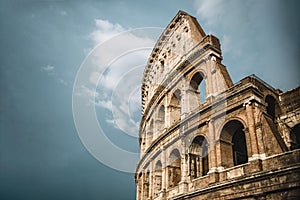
70	74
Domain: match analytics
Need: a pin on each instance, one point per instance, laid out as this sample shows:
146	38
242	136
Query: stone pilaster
151	168
164	172
212	151
252	130
183	185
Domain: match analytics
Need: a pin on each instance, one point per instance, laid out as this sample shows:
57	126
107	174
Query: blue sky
43	45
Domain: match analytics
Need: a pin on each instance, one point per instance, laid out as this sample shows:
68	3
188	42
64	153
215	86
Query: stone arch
174	168
221	126
139	185
198	157
149	136
160	118
295	136
233	144
198	85
175	106
157	178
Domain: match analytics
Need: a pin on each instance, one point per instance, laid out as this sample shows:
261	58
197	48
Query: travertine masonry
203	137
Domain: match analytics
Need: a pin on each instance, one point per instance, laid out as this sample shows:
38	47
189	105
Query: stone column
213	77
183	185
212	151
167	116
199	169
138	183
167	112
184	102
209	79
142	185
252	130
219	155
151	168
260	141
163	171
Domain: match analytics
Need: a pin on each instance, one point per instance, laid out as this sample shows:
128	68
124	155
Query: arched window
198	84
198	157
272	106
295	136
161	113
233	144
175	107
174	168
162	66
149	136
157	178
161	118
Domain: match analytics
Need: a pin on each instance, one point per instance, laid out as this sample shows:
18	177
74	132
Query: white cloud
105	30
104	104
232	21
117	80
48	68
250	40
226	43
210	10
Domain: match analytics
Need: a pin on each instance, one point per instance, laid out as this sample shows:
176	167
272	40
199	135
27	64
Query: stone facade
203	137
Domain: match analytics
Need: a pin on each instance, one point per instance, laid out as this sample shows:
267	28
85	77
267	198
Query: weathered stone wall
236	143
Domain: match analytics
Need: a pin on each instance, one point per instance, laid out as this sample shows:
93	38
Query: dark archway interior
199	157
295	136
271	106
234	147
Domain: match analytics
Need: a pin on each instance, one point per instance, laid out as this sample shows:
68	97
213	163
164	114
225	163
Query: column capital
251	100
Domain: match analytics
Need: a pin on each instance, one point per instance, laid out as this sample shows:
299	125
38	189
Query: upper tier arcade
182	50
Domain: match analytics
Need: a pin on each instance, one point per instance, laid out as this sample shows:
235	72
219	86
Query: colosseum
203	137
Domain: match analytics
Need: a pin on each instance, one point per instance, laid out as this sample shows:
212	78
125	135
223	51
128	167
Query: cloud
118	89
117	75
48	68
253	37
105	30
209	10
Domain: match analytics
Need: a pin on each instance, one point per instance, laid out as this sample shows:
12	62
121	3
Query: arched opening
202	89
239	147
272	106
162	66
149	134
161	118
198	84
295	137
198	153
157	178
161	112
233	144
174	168
175	107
